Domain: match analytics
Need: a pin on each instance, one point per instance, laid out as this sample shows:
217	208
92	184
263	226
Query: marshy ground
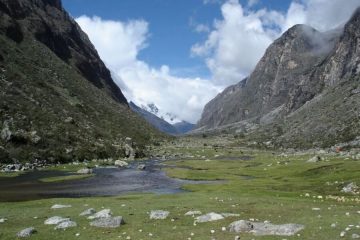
258	185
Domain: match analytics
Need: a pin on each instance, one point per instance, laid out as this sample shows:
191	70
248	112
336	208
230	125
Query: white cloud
202	28
233	46
119	43
252	3
237	42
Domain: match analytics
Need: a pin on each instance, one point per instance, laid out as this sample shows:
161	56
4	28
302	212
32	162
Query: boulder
159	214
241	226
2	220
129	152
263	229
58	206
351	188
85	171
66	224
120	163
27	232
314	159
193	213
87	212
6	134
209	217
141	167
55	220
101	214
108	222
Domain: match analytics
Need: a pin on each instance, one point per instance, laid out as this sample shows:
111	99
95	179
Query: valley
256	185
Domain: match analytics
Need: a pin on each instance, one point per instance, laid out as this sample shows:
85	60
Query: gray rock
59	206
141	167
314	159
230	215
87	212
66	224
351	188
120	163
355	236
193	213
107	222
55	220
241	226
159	214
2	220
6	134
34	138
101	214
209	217
27	232
262	229
129	152
85	171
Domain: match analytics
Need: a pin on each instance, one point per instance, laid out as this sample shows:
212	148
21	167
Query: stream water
106	182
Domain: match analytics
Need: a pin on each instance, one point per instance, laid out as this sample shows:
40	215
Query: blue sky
179	54
171	24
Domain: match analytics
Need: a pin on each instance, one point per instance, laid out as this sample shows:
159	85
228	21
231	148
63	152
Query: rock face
49	61
296	91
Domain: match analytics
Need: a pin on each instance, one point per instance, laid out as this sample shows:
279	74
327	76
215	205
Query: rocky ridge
302	93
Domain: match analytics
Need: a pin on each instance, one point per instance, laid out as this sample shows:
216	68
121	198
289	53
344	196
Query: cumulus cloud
233	46
237	41
118	44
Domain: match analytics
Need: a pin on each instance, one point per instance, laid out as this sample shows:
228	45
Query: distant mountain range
304	92
154	116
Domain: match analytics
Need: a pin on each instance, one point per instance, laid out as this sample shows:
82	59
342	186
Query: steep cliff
299	93
57	98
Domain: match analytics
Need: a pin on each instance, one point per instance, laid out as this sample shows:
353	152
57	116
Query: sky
180	54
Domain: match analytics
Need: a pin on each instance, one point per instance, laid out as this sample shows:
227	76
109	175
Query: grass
66	178
10	174
267	187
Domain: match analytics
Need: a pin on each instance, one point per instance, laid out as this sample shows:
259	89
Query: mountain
302	93
183	127
154	120
166	116
57	98
150	115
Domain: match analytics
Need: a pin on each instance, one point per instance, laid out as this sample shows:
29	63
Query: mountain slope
157	122
301	93
183	127
57	98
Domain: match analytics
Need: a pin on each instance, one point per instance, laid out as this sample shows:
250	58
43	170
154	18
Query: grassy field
265	186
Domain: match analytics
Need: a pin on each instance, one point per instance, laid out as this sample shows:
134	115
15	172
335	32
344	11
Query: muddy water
106	182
